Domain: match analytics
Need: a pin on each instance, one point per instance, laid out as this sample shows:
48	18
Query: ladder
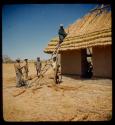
57	75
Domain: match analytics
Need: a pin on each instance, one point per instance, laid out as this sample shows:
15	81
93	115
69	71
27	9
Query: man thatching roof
94	29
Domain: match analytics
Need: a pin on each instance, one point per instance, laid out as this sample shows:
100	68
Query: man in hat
18	70
62	34
38	66
25	65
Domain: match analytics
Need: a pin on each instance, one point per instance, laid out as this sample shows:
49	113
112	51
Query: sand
74	99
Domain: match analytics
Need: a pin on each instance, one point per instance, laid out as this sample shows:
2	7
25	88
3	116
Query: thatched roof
94	29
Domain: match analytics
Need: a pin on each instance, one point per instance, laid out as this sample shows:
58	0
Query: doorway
86	63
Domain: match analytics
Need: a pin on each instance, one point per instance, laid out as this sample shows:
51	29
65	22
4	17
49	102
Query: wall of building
71	62
102	61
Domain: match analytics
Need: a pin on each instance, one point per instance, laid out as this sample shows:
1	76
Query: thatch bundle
94	29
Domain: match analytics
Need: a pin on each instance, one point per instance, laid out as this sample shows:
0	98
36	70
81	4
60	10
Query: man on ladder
62	34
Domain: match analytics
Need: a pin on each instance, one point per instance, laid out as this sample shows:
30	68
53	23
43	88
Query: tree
7	59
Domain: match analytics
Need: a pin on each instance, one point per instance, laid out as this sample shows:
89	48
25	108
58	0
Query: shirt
38	65
17	68
54	65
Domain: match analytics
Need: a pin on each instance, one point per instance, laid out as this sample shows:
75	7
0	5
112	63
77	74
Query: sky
28	28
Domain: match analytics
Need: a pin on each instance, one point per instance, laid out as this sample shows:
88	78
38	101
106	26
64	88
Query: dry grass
91	30
74	99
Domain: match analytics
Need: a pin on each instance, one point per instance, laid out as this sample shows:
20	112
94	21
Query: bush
7	59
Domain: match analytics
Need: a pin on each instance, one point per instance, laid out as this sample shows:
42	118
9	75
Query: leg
26	75
37	72
18	79
55	76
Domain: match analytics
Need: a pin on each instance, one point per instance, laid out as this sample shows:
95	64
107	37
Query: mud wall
102	62
71	62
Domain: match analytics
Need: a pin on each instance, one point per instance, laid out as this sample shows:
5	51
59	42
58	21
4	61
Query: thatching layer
94	29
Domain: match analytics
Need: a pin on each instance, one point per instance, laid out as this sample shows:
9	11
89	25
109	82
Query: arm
19	68
62	32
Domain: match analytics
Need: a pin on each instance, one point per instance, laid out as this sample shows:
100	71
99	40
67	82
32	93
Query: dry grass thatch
94	29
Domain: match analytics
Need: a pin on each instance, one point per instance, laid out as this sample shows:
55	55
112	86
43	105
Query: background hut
91	31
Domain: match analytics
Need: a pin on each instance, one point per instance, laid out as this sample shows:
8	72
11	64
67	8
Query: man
90	69
54	63
25	69
56	71
38	66
18	70
62	34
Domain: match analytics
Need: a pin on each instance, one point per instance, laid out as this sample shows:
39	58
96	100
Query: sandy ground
74	99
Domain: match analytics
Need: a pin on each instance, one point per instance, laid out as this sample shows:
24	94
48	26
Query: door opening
86	63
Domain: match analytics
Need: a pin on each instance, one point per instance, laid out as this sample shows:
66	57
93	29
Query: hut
92	31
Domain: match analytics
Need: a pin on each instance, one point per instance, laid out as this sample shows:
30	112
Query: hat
25	59
18	59
38	58
61	25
